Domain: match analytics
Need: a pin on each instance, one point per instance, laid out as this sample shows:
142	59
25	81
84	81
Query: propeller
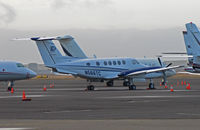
164	74
169	64
159	60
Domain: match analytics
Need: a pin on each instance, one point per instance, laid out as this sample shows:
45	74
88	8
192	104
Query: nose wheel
10	85
90	87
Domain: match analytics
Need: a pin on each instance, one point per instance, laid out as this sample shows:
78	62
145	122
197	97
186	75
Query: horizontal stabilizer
45	38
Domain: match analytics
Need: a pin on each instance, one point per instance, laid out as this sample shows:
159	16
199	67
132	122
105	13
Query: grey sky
134	28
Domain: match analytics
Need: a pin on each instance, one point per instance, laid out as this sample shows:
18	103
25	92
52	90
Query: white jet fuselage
10	71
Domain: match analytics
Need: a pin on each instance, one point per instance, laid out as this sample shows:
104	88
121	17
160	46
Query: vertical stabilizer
48	51
192	41
70	47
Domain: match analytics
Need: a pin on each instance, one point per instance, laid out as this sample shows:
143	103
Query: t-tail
49	52
70	47
192	42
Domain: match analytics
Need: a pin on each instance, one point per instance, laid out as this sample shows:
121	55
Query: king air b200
99	69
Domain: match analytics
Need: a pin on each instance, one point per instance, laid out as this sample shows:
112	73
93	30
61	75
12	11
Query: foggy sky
106	28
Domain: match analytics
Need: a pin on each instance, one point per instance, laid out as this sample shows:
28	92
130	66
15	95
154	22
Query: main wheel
109	83
151	86
132	87
90	87
126	83
9	88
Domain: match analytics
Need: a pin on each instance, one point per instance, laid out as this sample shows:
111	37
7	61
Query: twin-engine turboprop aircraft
11	71
99	69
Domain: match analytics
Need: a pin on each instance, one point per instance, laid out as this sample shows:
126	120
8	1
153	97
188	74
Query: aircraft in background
192	44
100	69
72	49
11	71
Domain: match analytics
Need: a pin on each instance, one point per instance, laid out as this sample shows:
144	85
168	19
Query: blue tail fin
70	47
48	51
192	39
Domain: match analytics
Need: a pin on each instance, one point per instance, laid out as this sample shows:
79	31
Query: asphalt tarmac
68	105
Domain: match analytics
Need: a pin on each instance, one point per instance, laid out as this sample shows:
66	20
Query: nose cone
32	74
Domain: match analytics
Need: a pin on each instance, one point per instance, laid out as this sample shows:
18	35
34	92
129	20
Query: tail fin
189	47
70	47
48	51
192	39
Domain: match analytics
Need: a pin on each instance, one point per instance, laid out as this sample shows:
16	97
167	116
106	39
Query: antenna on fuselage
94	56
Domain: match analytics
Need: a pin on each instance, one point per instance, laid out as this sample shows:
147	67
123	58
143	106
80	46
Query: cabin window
20	65
114	62
97	63
123	62
135	62
88	64
119	62
105	63
109	62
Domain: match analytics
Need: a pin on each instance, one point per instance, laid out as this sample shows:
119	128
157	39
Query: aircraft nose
32	74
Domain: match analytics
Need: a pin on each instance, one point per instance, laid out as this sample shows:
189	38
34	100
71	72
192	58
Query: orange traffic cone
24	97
12	90
171	89
184	82
165	86
188	86
44	88
52	85
160	84
177	83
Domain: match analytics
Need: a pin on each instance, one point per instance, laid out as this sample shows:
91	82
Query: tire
90	87
132	87
151	86
9	88
109	83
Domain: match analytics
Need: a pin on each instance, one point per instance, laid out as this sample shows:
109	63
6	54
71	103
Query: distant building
39	68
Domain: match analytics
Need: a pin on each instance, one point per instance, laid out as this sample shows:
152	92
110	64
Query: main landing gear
90	87
151	84
130	84
126	82
10	85
109	83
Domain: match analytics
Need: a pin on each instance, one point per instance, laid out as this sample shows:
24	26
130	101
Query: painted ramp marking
1	97
124	97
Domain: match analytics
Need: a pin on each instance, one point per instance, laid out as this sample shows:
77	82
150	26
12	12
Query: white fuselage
111	68
10	71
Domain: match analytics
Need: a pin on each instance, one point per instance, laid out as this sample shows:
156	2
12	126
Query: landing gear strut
126	82
109	83
10	85
131	85
90	87
151	84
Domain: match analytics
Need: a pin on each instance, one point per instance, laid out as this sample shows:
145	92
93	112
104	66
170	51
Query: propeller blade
160	61
169	64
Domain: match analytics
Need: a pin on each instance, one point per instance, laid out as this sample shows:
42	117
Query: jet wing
146	71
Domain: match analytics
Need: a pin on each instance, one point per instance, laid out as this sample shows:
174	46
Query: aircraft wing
189	73
176	56
146	71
